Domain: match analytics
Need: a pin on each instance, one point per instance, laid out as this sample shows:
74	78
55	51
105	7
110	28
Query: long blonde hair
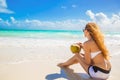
98	37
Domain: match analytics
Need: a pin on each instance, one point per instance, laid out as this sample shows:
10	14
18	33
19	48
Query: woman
95	60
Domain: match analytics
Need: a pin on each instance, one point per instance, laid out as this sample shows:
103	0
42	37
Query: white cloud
90	14
98	17
3	7
106	23
0	19
37	24
65	24
3	3
63	7
74	6
13	19
4	22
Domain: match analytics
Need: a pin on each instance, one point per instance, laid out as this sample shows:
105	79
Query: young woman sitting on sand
95	60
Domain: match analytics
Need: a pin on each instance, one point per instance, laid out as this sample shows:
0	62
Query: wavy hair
98	37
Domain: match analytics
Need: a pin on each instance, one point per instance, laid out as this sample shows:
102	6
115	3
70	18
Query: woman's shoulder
88	42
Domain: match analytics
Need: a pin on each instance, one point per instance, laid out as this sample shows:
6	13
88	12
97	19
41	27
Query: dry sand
39	63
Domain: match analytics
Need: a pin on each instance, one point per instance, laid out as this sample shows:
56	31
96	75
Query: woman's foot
62	65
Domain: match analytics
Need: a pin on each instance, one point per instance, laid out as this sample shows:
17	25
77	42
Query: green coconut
75	48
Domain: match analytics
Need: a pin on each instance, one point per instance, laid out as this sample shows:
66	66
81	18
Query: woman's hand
80	44
82	54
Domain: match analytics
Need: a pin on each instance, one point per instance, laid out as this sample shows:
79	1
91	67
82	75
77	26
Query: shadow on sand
68	74
56	75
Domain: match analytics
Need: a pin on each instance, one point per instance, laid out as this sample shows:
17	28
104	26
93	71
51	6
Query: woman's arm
87	54
82	54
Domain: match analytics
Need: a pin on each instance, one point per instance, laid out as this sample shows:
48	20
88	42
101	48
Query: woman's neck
89	37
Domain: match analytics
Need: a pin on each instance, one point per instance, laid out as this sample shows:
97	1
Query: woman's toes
60	64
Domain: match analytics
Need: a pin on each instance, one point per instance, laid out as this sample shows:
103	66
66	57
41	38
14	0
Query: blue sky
58	14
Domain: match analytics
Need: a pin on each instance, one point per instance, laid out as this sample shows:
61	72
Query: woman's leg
82	62
75	59
69	62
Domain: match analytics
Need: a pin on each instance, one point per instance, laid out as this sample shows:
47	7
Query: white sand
32	59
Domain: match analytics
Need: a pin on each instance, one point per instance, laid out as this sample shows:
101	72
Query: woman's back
97	57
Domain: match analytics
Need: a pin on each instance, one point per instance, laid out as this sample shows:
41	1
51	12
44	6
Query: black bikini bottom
95	68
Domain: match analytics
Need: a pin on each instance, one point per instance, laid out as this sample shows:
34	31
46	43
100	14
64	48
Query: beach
37	35
37	59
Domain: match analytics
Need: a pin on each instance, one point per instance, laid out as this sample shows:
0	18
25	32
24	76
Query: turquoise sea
50	34
42	34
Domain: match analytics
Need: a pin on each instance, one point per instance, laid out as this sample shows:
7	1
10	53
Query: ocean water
29	42
42	34
51	34
111	38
